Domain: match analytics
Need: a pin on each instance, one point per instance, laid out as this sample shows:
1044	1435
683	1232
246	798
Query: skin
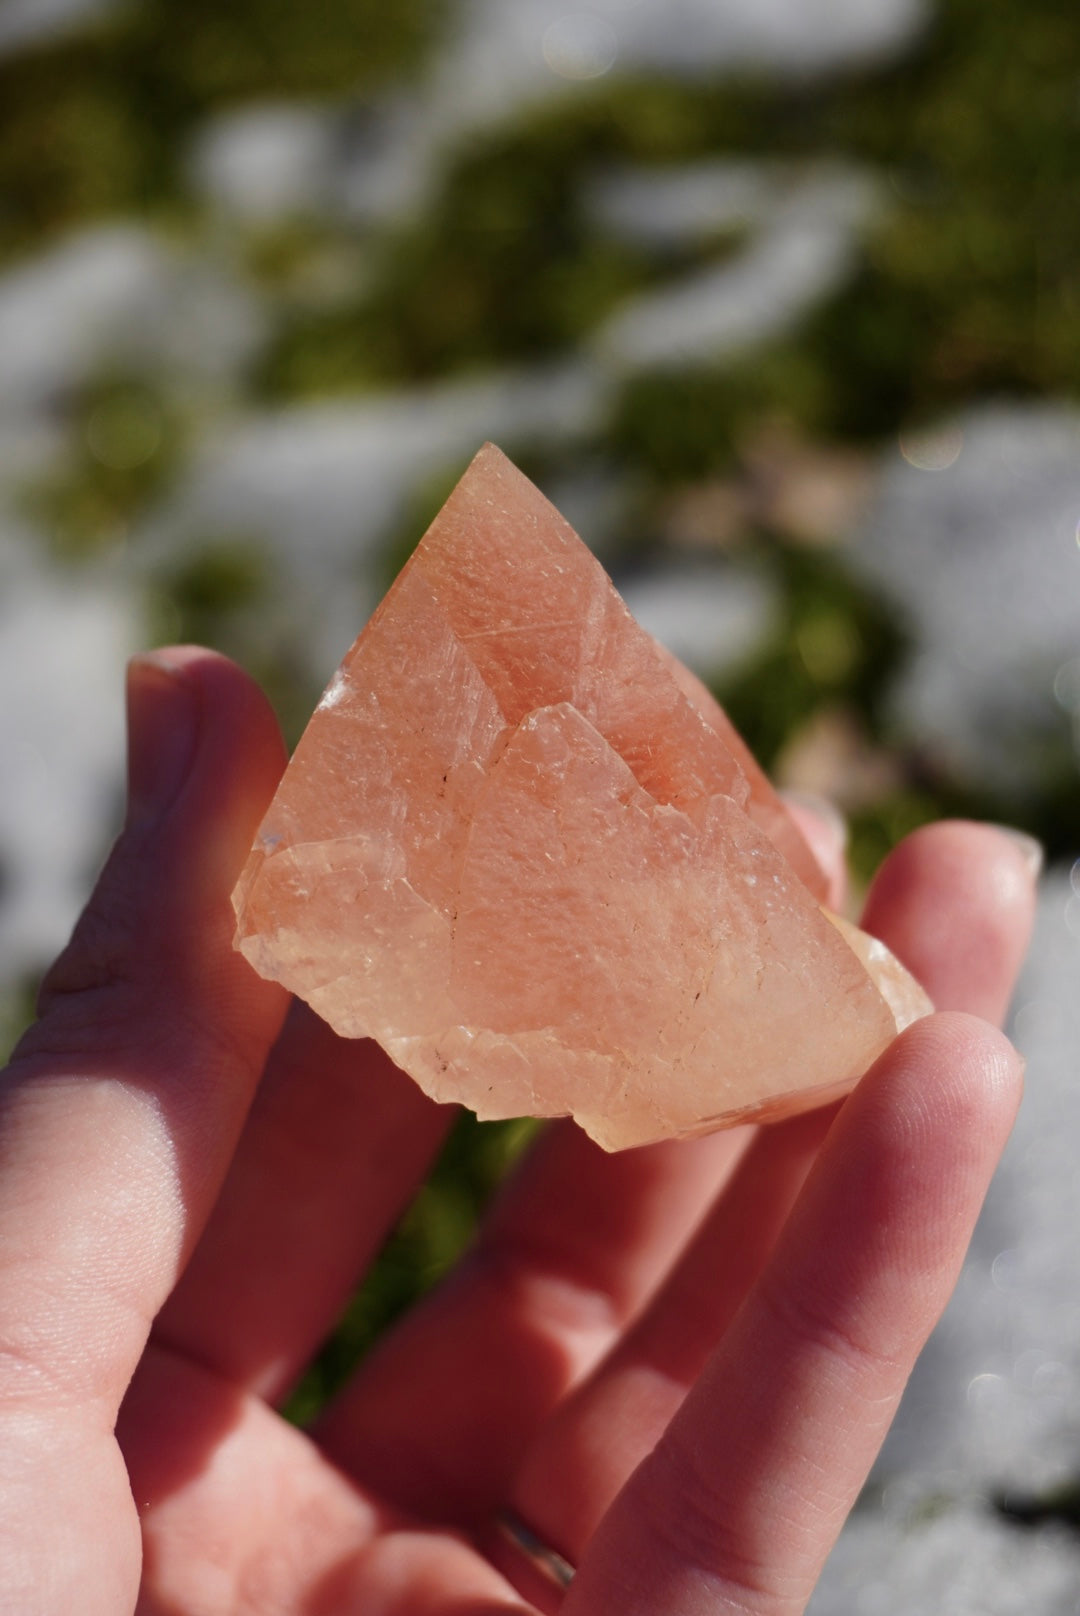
677	1363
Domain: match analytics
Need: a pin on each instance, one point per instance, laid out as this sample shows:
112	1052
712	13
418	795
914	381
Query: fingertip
967	854
1030	849
226	697
164	718
956	903
230	696
942	1100
204	756
967	1057
179	658
237	763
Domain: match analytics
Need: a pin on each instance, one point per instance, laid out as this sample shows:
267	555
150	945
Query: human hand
676	1364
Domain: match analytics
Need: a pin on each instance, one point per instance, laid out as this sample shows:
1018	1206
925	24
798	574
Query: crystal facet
525	850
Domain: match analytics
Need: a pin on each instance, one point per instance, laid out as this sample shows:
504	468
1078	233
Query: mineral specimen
527	852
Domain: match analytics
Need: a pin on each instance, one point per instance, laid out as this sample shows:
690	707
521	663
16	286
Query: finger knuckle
827	1330
699	1528
103	955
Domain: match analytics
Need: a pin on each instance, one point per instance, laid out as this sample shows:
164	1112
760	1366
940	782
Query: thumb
118	1117
123	1104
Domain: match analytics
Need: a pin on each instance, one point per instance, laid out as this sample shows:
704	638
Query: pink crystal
525	850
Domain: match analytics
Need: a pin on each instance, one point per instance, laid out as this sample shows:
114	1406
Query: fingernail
821	808
163	724
1032	851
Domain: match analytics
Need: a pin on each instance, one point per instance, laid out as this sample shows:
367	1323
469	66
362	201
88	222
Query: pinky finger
739	1504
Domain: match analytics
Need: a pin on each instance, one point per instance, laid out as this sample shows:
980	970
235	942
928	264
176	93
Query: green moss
678	427
126	440
17	1001
97	125
876	830
1058	1505
225	591
218	577
833	642
521	271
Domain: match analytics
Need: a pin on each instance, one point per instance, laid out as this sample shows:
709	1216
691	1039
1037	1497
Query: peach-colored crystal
526	851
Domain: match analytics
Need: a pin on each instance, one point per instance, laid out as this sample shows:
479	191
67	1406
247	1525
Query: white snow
803	250
960	1561
115	296
25	23
63	643
323	484
267	161
978	547
710	616
506	54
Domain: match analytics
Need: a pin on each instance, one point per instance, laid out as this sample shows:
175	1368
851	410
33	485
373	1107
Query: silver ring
547	1561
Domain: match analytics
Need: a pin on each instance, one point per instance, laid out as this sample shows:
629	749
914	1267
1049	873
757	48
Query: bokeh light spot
1067	685
932	451
1072	915
829	646
984	1391
580	46
123	433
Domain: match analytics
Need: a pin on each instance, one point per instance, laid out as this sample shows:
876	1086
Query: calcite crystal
525	850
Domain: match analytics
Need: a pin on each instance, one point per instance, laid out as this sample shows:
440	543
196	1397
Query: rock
524	849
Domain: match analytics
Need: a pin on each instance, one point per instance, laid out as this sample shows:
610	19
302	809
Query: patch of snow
64	311
267	162
701	37
506	54
961	1561
114	295
710	616
63	644
324	484
671	206
805	249
977	544
26	23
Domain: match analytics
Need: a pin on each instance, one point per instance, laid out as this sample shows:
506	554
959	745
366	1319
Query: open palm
675	1364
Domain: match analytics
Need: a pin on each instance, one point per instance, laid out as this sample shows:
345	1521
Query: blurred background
778	300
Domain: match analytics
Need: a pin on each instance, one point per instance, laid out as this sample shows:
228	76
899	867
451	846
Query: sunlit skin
677	1363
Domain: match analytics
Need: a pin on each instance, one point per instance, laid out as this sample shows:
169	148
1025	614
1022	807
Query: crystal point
525	850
